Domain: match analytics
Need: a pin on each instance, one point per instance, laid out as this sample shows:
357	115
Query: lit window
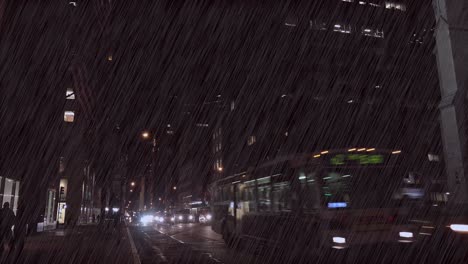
373	33
342	28
433	157
251	140
349	1
317	25
233	105
397	6
69	116
362	2
70	94
73	3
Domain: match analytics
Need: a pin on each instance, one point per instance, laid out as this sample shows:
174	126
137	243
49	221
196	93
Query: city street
196	243
187	243
235	132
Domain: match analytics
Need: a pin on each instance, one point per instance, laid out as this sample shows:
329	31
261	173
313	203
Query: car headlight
146	219
459	228
181	217
208	216
172	218
190	217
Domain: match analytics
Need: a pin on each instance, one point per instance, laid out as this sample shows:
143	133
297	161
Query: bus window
359	188
281	194
310	190
248	196
227	193
263	192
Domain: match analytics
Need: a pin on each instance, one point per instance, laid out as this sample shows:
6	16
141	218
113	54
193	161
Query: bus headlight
172	219
181	217
208	216
339	240
406	234
190	217
459	228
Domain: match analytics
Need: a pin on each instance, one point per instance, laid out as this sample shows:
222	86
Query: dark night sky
168	54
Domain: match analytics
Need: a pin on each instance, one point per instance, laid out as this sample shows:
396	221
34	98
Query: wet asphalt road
196	243
187	243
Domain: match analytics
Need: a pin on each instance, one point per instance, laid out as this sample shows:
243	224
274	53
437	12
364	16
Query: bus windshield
361	187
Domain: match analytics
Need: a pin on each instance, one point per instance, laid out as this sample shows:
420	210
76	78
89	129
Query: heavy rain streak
233	131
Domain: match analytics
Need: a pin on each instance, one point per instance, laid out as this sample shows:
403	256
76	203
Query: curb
136	257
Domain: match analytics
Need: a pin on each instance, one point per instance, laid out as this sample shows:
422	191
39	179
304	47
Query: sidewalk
83	244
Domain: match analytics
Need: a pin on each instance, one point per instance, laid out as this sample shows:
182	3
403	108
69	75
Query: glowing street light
175	188
132	183
145	135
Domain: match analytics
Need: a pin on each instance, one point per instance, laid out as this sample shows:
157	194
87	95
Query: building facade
336	74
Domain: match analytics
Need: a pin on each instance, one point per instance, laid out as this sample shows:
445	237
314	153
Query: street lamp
175	188
132	184
145	135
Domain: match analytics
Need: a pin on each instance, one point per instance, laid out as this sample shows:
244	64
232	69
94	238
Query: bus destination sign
356	159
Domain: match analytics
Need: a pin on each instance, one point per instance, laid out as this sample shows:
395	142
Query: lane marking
208	254
136	257
158	251
180	241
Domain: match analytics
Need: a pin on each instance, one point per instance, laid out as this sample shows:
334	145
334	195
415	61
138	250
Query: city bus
328	199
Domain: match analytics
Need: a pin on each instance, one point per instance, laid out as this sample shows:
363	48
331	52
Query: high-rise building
332	74
89	183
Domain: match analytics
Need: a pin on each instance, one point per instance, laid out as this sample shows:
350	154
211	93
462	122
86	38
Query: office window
342	28
317	25
251	140
433	157
70	94
370	32
69	116
397	6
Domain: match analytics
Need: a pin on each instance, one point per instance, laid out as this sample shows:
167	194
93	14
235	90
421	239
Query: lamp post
147	135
